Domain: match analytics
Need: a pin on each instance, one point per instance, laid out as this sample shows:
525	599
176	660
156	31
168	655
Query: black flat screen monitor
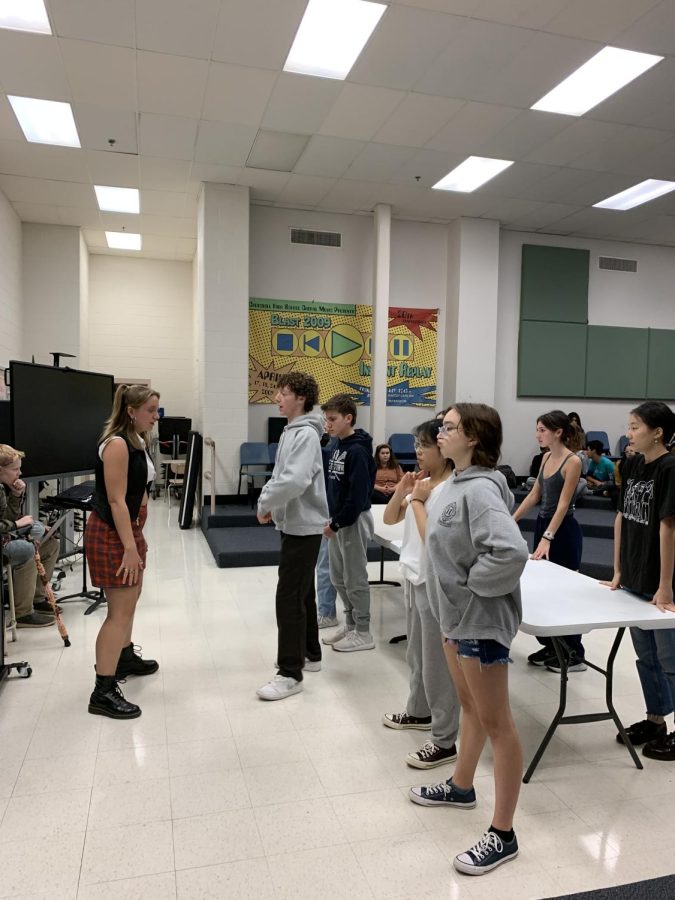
5	422
57	417
170	426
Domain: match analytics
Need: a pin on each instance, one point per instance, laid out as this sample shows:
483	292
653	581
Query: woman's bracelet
416	500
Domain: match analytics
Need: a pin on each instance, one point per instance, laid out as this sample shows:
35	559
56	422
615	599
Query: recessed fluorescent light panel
638	194
46	121
604	74
331	36
117	199
123	240
24	15
470	174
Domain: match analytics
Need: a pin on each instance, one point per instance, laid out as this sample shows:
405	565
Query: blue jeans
19	551
489	652
656	667
325	592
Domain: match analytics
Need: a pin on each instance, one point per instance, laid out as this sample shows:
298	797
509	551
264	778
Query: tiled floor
213	793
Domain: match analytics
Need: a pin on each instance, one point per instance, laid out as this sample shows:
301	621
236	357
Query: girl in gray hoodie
476	555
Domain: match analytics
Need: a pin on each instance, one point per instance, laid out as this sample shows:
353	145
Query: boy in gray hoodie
476	555
295	499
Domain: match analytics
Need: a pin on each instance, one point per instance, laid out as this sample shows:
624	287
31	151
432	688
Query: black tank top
551	489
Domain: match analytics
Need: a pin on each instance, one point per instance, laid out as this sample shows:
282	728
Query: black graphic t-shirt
647	497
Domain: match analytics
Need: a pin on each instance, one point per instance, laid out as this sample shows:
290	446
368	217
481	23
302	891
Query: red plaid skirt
105	549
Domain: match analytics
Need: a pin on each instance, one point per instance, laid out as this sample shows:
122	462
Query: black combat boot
108	700
131	663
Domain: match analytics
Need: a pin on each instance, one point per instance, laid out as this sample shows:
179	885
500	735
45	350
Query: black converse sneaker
490	851
403	720
431	755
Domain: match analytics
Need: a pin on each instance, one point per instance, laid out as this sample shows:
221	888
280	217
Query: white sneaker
326	621
355	640
339	634
279	687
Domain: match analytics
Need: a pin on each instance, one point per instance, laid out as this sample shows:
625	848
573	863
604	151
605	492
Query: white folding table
557	602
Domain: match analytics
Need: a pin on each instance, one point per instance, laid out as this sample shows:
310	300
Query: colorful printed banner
333	342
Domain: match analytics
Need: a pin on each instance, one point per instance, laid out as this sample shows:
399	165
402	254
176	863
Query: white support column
471	312
378	369
222	316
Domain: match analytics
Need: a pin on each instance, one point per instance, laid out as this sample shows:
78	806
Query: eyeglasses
285	393
420	446
447	429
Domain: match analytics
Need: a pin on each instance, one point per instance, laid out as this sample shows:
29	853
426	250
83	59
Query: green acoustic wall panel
551	359
661	365
554	284
616	362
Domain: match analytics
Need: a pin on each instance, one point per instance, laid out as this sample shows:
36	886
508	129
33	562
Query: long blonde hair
120	422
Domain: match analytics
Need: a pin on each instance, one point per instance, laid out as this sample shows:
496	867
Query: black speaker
275	425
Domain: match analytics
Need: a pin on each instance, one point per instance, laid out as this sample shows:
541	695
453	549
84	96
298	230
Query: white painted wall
140	325
51	292
10	285
640	300
281	270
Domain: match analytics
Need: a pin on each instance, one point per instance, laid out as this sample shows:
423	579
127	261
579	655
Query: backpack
509	474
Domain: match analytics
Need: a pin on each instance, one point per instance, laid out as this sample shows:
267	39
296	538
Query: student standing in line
387	475
475	557
326	595
116	548
644	552
557	534
432	702
295	500
351	473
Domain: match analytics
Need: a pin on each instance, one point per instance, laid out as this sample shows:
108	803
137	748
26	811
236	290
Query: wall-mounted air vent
616	264
316	238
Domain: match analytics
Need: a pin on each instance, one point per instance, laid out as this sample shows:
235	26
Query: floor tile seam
283	856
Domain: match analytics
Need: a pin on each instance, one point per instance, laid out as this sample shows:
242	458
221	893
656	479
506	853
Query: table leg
560	712
381	579
608	698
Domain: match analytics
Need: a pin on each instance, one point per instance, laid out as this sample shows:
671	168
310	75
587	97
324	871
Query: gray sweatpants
348	572
432	692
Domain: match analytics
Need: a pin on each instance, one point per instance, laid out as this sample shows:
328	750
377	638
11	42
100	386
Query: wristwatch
548	535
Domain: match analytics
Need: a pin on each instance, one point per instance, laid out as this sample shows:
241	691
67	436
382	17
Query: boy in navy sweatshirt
351	475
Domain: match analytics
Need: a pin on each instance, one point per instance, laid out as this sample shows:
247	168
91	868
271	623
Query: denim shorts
489	652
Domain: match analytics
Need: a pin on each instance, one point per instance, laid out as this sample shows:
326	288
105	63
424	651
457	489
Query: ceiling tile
300	103
574	141
648	100
163	203
95	20
652	33
351	196
522	135
264	185
328	156
168	136
456	7
100	74
419	37
276	150
468	66
257	31
31	66
98	125
163	174
185	248
43	190
546	216
117	169
518	177
601	20
469	128
223	143
77	215
58	163
507	211
417	119
557	185
173	26
171	85
426	167
624	152
201	172
40	213
359	111
306	189
95	238
9	126
525	13
237	94
175	227
378	162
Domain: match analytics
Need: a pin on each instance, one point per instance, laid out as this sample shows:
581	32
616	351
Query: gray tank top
551	489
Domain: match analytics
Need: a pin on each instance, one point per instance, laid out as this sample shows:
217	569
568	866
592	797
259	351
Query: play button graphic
345	345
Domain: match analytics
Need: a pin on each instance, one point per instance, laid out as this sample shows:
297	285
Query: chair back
623	443
598	436
254	453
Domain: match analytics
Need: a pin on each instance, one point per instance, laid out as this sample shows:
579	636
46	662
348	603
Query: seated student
32	609
387	476
601	469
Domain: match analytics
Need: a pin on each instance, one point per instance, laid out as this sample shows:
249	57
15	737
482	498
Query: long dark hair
656	414
428	432
393	462
557	419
